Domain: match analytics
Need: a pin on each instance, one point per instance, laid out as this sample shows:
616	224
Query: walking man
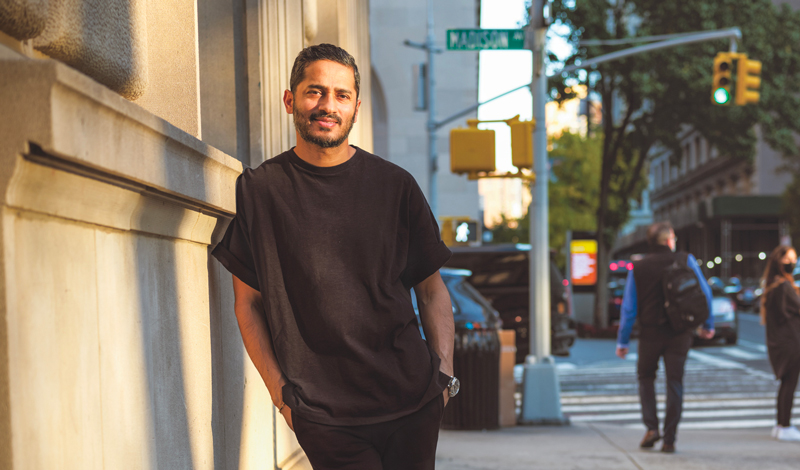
644	298
326	244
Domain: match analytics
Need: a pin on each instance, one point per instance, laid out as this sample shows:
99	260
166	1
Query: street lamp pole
541	396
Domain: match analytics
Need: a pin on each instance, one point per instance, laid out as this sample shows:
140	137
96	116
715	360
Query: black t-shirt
334	252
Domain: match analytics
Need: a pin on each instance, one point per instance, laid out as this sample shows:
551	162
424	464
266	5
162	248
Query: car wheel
731	339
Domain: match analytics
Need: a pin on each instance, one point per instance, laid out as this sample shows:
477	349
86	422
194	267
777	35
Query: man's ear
288	101
355	115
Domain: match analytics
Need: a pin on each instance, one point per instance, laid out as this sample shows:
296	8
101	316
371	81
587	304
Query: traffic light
721	88
471	150
748	80
521	142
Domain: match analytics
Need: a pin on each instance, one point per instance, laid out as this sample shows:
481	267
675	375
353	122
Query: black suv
500	274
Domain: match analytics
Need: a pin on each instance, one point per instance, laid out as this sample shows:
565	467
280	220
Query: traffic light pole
541	402
541	397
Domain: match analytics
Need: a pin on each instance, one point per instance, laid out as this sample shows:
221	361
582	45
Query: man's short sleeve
426	251
234	250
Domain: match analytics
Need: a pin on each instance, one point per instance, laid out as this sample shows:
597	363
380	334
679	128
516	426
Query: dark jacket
783	328
644	295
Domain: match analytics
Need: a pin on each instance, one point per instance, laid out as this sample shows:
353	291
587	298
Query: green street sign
485	39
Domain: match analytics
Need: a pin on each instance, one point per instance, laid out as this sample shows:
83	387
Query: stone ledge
73	118
52	191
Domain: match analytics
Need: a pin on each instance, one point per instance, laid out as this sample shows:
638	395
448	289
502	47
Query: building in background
400	133
510	197
725	211
123	127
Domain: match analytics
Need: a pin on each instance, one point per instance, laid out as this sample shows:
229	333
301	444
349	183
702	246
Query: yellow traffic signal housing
471	150
748	80
721	87
521	142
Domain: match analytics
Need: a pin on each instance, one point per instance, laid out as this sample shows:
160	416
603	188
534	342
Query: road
724	386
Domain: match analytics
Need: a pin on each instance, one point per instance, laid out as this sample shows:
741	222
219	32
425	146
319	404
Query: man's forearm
436	314
258	343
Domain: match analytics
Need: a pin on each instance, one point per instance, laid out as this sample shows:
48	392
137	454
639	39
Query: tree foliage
649	99
572	193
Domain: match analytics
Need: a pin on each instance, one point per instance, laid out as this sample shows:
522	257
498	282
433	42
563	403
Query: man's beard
303	126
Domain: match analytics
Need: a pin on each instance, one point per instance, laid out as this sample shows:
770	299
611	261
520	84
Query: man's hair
322	52
659	233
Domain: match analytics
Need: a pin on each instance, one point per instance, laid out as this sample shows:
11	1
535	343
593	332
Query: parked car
747	298
500	274
726	317
471	311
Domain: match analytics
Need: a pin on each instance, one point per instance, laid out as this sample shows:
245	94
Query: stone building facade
123	127
400	134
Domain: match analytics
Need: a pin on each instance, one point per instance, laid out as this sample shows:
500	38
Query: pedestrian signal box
471	150
748	80
521	142
460	231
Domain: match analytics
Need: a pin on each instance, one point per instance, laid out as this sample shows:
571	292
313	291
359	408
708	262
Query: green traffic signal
721	96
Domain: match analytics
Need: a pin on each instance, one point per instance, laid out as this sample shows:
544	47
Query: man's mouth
327	122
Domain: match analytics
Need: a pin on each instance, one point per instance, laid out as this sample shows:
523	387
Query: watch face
453	386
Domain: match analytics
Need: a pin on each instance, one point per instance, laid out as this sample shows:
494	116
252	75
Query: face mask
788	267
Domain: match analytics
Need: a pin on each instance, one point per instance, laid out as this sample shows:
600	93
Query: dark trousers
786	394
655	343
407	443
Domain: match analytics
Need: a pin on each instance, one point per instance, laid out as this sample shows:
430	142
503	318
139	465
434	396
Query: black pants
655	343
786	394
407	443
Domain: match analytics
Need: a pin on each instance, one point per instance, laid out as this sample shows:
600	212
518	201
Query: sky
501	71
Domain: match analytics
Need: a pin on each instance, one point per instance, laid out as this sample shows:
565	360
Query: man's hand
706	334
622	352
446	396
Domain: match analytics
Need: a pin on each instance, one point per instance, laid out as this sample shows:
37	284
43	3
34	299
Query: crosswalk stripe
756	346
742	354
690	414
661	396
686	405
721	424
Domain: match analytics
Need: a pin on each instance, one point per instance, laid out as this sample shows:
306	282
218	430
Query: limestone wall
123	126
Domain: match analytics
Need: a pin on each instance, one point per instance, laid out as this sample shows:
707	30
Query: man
644	297
326	243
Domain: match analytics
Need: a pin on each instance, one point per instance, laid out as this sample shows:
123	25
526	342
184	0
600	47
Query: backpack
684	300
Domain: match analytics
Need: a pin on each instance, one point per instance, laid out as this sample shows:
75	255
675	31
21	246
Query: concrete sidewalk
599	447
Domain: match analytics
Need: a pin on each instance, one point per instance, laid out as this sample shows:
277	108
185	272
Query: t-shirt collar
324	170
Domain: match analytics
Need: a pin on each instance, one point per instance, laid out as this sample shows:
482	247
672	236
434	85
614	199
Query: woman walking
780	312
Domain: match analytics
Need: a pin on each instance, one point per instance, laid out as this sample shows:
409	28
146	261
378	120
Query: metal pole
540	249
541	395
433	163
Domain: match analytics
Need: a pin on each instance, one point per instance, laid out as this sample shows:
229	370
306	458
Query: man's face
672	241
324	105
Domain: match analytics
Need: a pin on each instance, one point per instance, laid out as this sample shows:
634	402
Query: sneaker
788	434
774	432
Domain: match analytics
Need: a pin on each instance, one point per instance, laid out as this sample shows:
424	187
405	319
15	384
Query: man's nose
326	104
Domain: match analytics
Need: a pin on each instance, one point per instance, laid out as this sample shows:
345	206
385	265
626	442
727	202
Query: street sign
485	39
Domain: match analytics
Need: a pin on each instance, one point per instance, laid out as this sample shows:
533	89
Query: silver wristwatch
453	386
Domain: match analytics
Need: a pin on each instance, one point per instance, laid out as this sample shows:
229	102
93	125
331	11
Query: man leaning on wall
326	244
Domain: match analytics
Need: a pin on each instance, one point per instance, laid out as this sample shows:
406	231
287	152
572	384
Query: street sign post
485	39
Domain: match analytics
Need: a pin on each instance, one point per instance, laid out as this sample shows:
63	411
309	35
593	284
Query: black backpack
684	300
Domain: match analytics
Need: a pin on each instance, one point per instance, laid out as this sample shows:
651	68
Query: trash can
476	363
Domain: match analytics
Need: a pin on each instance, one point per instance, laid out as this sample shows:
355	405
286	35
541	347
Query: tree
650	98
572	193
